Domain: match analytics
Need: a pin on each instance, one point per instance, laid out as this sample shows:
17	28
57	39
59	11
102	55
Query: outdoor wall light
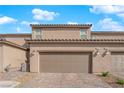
106	51
97	51
32	53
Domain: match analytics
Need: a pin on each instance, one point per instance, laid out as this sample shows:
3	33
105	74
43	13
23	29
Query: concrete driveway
119	74
8	84
65	80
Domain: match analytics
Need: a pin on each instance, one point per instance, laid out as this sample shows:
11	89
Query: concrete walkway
119	74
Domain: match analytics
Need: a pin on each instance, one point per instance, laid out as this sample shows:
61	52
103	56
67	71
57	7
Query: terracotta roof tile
74	40
2	35
4	41
61	25
107	32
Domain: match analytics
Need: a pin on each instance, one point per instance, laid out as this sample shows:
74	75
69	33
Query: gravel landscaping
112	81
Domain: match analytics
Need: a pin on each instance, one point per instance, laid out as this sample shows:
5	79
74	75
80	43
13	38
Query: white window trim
39	33
81	35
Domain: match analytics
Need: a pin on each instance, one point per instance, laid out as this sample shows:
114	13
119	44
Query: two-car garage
65	62
117	61
75	62
76	56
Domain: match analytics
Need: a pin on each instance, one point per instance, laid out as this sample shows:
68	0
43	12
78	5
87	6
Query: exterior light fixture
32	53
106	51
97	51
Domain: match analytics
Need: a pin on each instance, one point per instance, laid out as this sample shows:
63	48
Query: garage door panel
117	62
64	62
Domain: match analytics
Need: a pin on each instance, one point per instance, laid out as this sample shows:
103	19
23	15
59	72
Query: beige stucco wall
13	56
61	33
1	56
100	62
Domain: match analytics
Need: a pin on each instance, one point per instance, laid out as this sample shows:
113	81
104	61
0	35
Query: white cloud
5	20
72	22
108	9
18	29
43	14
107	24
28	23
88	23
21	30
121	15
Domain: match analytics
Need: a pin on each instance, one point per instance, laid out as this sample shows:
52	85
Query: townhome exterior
71	48
64	48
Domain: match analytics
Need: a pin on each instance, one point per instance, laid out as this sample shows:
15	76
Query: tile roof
75	40
61	25
107	32
4	41
1	35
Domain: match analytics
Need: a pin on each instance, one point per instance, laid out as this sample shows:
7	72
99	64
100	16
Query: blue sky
16	19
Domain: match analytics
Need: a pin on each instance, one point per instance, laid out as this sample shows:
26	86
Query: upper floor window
38	33
83	34
93	37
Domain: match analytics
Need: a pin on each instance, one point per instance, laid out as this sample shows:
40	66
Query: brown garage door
65	62
117	62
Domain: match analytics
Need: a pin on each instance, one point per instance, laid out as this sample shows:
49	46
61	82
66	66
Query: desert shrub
120	81
105	74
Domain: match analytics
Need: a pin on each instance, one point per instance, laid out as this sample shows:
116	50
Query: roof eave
12	44
75	41
61	25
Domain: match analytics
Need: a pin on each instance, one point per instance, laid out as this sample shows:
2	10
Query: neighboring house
11	55
72	48
16	38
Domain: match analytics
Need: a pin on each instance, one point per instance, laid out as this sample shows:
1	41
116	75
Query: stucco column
34	61
101	61
1	58
96	62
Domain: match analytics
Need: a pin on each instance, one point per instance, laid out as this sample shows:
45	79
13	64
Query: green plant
120	81
104	74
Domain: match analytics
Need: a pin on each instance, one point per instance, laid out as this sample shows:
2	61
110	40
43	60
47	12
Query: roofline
15	34
107	32
3	41
74	41
61	25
